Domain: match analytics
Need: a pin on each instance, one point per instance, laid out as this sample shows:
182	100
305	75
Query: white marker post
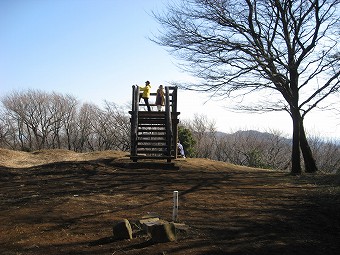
175	208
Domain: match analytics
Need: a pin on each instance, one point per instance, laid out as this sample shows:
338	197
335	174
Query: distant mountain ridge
255	134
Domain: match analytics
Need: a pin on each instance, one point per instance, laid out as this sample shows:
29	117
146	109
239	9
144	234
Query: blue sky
92	49
96	50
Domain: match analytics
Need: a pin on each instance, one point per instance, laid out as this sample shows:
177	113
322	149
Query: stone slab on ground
162	232
122	230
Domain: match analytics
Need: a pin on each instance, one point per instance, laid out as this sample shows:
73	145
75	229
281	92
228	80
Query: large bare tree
284	50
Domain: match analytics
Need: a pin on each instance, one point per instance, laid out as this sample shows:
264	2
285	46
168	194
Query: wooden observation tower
154	134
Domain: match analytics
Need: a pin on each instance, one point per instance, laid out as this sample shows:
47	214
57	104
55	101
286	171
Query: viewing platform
154	134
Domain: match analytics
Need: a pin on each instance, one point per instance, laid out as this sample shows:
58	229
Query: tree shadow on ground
68	208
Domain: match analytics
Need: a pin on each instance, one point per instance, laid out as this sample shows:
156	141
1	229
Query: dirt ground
62	202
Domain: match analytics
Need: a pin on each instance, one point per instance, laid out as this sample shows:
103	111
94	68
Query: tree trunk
310	164
296	162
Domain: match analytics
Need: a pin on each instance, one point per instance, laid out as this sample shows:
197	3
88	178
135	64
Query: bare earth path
61	202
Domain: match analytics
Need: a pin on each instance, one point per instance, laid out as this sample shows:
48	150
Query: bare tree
228	149
119	123
36	120
69	107
204	133
28	111
61	109
327	151
277	149
8	131
86	137
239	47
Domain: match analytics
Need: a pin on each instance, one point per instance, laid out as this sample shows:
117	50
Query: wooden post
168	121
174	120
134	120
175	207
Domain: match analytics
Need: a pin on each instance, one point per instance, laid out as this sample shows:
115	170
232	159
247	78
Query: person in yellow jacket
146	94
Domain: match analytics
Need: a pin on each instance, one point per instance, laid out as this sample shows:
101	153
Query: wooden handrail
172	98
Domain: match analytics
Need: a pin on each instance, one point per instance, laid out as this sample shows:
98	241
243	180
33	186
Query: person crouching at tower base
181	149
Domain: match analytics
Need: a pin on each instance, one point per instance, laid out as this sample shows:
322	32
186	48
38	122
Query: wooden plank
151	146
151	157
151	135
152	141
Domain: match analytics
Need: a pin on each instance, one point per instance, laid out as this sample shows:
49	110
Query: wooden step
151	152
151	118
152	121
156	148
151	136
141	157
151	131
151	114
148	147
150	125
152	147
151	140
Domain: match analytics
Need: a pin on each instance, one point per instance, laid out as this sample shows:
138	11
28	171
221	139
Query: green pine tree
187	140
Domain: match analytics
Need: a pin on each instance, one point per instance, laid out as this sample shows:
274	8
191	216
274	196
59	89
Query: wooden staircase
154	134
152	138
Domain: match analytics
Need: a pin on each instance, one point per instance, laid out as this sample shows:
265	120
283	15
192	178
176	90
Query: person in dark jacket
160	99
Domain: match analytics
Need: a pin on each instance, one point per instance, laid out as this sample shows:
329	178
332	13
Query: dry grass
20	159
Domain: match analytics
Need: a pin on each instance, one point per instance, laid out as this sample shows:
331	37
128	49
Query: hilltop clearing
62	202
